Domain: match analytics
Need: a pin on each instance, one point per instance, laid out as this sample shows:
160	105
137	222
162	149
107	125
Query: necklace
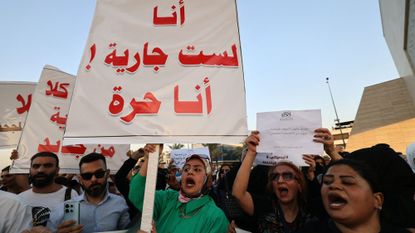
191	214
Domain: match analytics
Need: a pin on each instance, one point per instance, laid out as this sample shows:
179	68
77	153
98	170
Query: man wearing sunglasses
99	209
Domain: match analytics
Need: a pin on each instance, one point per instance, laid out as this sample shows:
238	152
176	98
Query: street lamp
335	111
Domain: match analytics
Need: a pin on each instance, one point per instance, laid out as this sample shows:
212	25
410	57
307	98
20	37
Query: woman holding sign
283	210
190	209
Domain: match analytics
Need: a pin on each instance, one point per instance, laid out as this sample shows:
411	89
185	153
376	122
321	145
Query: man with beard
45	193
99	209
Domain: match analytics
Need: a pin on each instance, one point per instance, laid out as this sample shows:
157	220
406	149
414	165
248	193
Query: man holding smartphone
99	210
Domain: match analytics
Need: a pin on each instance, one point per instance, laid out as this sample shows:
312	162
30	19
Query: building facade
386	113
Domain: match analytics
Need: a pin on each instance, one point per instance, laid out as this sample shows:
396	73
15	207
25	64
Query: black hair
45	154
363	169
91	157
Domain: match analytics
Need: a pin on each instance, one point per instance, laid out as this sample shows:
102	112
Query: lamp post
335	111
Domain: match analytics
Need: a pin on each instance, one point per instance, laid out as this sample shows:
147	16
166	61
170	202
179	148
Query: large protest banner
16	98
160	71
45	126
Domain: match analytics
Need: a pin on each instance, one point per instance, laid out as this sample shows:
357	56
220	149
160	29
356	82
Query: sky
288	49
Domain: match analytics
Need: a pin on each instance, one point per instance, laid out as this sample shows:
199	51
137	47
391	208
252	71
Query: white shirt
15	216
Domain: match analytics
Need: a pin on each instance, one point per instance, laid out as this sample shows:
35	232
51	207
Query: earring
379	208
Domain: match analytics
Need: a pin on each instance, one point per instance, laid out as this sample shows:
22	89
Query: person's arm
121	180
309	159
138	181
323	136
240	186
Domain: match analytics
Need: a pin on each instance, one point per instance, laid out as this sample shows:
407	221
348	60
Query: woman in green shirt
189	210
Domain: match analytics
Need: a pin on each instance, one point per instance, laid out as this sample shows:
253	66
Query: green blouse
170	215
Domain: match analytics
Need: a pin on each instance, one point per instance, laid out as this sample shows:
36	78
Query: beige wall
386	114
398	136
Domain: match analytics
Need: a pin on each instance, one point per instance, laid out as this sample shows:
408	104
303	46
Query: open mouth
283	191
190	182
335	200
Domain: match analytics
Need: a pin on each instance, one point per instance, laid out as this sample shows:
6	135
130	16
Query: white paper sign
153	73
16	98
45	126
287	135
179	156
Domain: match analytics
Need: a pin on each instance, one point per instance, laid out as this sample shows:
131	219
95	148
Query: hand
149	148
38	229
309	159
69	226
232	227
323	135
252	141
14	155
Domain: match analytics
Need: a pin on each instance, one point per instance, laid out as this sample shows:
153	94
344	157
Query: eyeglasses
88	175
196	169
286	176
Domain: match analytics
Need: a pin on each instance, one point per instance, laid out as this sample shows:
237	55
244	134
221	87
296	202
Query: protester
15	215
123	176
10	182
190	209
99	209
397	179
283	209
352	198
45	193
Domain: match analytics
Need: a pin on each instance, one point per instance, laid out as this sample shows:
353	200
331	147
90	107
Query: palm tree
176	146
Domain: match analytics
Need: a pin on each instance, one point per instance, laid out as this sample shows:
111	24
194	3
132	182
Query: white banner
179	156
16	98
160	71
287	135
46	124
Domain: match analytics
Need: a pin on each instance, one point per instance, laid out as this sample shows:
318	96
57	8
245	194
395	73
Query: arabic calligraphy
60	121
53	89
11	128
129	62
193	106
25	105
170	20
121	62
150	105
210	60
106	152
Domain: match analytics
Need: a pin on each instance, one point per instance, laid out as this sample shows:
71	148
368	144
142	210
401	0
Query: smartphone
71	211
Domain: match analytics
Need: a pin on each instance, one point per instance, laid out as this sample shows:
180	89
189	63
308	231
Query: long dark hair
299	177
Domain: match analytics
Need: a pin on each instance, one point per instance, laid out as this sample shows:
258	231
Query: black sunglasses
88	175
286	176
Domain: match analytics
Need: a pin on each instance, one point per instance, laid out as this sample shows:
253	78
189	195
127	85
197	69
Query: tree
176	146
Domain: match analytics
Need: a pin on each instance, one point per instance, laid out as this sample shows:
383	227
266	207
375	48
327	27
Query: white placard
153	73
45	126
16	98
287	135
179	156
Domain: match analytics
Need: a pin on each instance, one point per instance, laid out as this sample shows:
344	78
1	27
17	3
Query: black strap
68	193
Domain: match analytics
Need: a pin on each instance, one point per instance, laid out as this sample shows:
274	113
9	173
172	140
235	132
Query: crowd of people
368	190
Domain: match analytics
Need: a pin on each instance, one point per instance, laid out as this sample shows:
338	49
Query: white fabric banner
16	98
287	135
46	124
179	156
160	72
